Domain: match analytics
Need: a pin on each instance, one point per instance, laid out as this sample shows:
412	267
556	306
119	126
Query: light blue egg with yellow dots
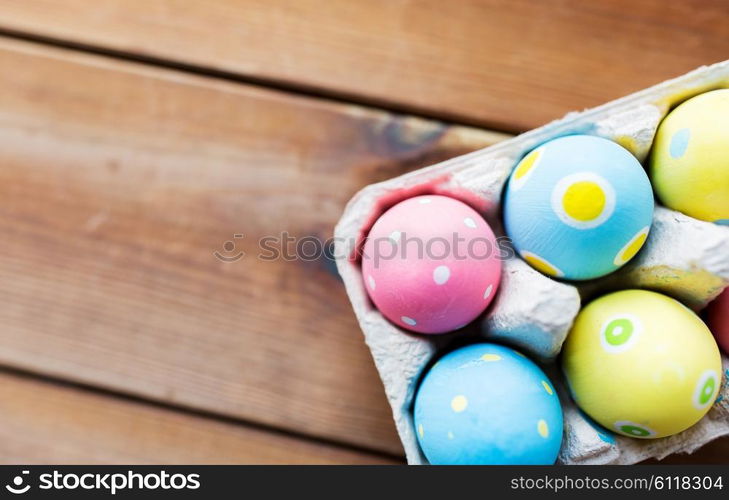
487	404
578	207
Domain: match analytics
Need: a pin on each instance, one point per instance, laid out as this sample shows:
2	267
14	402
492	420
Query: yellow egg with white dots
642	364
689	164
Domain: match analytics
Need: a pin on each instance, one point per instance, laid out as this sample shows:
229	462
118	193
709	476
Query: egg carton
683	257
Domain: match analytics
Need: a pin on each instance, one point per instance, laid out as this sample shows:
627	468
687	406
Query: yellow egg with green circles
689	165
642	364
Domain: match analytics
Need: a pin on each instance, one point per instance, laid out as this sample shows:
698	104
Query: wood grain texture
119	181
43	423
509	64
46	423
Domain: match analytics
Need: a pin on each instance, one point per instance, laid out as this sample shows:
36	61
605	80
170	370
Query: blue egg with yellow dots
578	207
487	404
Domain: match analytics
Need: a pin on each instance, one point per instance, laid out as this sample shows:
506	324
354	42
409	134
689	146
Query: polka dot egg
487	404
578	207
641	364
430	264
718	317
689	165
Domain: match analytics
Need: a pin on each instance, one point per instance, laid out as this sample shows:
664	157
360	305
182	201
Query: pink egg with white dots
431	264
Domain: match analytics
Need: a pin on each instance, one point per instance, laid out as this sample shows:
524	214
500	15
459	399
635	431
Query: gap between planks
295	88
510	65
44	420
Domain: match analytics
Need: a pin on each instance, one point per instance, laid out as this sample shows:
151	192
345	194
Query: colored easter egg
689	165
578	207
487	404
718	317
431	264
641	364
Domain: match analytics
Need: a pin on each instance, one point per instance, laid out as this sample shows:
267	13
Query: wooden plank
44	423
119	181
510	64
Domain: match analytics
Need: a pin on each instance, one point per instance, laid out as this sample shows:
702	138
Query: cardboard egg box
683	257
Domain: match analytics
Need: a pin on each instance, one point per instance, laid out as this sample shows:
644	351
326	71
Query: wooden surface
120	179
118	184
74	426
512	64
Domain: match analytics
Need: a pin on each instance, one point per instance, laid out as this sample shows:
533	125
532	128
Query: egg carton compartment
683	257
